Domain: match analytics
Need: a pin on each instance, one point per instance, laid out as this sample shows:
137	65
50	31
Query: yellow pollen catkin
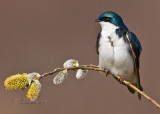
34	91
16	82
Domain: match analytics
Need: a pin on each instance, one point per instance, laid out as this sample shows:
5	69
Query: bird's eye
106	19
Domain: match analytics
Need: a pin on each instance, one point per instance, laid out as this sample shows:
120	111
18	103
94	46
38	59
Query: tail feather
139	95
131	90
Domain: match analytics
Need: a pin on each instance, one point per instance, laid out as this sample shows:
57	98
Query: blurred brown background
39	35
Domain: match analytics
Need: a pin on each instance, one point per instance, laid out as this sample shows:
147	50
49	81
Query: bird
119	49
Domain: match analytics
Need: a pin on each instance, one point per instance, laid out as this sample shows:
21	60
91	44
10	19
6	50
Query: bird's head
111	17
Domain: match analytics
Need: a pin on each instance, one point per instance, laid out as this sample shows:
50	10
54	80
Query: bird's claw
121	79
107	73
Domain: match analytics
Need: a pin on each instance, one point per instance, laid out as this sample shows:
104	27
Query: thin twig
96	68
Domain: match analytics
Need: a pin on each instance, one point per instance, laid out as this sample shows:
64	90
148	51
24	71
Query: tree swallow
119	49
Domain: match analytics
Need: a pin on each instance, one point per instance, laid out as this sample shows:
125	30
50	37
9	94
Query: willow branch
95	68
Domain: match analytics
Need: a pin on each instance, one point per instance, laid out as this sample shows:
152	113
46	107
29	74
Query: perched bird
119	49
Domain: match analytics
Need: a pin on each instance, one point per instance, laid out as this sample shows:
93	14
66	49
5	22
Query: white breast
115	58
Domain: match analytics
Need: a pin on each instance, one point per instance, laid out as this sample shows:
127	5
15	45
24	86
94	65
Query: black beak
97	20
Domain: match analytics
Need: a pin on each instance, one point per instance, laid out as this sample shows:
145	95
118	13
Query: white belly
115	58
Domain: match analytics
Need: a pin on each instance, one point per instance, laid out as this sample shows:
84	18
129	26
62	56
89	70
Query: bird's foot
107	73
121	79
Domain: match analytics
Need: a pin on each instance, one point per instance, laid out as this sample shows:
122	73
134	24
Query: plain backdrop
40	35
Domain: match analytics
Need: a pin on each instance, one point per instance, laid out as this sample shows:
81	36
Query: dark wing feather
135	47
97	43
135	50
